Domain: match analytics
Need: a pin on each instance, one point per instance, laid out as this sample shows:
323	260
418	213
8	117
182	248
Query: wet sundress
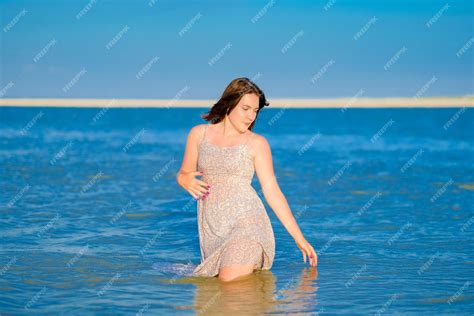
234	227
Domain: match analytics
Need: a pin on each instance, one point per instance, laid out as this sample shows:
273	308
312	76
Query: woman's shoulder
258	141
197	130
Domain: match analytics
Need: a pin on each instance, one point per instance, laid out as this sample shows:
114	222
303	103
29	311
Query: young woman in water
235	233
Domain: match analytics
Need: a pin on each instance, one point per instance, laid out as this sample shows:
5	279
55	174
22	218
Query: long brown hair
236	89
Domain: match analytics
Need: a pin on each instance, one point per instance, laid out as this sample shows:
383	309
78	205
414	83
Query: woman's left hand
307	250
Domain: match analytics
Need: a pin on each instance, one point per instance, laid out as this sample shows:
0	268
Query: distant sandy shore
435	102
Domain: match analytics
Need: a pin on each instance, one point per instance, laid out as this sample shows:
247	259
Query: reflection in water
298	294
256	294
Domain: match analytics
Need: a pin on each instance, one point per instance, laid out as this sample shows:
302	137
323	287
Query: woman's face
245	112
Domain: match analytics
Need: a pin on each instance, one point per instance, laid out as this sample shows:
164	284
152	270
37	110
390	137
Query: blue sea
93	222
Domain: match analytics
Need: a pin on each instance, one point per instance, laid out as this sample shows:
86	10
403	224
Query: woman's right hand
196	187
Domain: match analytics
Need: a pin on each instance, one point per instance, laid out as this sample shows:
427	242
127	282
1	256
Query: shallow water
93	221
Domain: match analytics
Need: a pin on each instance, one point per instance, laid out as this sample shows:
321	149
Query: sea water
93	222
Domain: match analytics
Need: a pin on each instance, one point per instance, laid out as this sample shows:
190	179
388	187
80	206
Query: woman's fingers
307	253
315	257
312	256
194	193
308	250
202	183
203	189
197	193
200	189
196	187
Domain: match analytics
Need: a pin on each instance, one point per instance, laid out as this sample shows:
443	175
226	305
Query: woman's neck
227	129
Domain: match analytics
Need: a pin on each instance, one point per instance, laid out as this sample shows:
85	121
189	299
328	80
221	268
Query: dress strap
204	134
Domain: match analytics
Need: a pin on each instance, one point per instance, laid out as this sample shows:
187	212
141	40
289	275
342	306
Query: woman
235	233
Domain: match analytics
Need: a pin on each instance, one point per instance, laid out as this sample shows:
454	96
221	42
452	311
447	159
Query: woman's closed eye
247	108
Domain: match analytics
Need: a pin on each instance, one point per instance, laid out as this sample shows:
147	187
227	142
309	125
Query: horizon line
346	102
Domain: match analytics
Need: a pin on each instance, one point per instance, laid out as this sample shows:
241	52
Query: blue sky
294	49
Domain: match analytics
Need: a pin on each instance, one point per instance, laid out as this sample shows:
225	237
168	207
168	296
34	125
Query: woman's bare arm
275	198
187	173
191	151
